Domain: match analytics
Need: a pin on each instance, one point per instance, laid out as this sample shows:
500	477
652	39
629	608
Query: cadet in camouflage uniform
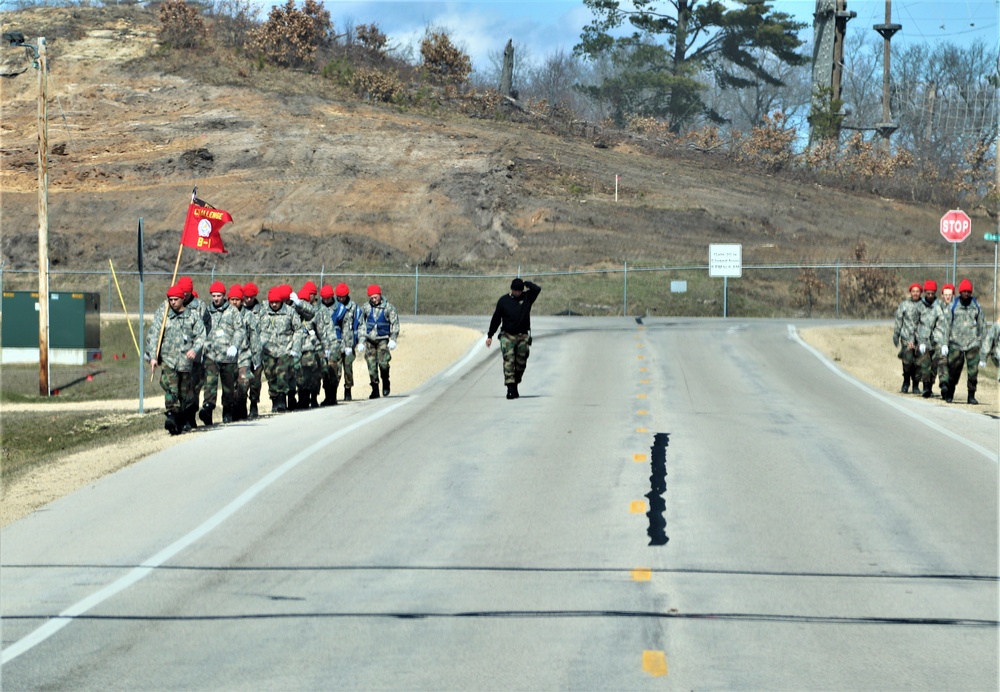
350	325
252	310
512	316
305	311
182	345
331	312
904	337
225	337
378	330
195	305
245	358
967	329
991	347
281	344
309	374
932	340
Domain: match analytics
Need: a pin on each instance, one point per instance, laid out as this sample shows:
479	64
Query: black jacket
514	315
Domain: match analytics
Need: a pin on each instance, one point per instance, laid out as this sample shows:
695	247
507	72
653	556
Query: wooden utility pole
887	30
43	221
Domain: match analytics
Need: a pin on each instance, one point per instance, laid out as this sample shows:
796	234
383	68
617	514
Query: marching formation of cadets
301	342
937	337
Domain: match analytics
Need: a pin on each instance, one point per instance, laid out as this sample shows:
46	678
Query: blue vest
378	321
338	319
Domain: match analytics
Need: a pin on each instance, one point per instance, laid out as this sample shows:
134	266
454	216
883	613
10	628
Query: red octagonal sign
956	226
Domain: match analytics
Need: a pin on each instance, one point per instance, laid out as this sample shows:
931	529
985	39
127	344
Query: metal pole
416	288
996	245
110	299
142	330
43	222
625	305
837	290
725	297
954	263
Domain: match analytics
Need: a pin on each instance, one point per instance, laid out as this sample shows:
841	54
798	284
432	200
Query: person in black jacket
513	317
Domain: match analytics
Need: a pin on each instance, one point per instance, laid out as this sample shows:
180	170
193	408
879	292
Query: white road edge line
793	334
65	617
461	364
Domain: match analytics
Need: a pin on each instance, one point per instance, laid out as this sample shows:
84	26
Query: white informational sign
725	261
678	286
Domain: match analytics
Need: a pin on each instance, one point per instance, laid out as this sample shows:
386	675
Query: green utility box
74	327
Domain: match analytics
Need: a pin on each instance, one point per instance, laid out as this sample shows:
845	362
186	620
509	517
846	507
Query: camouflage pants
198	377
228	373
971	361
179	392
310	372
515	349
280	374
930	363
331	375
254	381
347	368
909	358
377	356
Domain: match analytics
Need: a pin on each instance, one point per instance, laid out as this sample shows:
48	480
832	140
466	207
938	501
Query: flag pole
173	280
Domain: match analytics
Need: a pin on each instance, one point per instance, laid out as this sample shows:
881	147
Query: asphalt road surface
689	504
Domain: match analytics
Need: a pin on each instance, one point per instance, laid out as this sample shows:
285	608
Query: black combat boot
205	414
292	404
374	394
972	395
278	404
927	390
347	394
947	393
187	419
906	384
253	410
510	391
385	381
227	414
170	424
314	399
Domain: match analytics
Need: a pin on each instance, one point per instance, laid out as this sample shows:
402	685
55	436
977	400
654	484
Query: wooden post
43	222
507	71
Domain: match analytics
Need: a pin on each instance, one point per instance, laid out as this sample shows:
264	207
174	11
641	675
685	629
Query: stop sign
956	226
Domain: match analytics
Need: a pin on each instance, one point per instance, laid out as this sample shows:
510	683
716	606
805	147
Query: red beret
186	284
326	291
914	285
275	294
235	291
947	286
374	290
308	289
175	291
342	290
930	285
217	287
250	290
286	291
964	285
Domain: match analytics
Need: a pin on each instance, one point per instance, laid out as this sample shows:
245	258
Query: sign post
956	226
725	261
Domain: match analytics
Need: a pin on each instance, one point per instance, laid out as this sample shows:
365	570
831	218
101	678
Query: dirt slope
314	177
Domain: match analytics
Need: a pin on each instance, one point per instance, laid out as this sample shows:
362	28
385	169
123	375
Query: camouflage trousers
280	374
254	380
971	361
331	375
347	367
179	393
930	363
228	373
377	356
515	349
309	374
909	358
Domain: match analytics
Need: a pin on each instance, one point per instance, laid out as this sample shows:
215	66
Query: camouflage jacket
350	324
280	331
905	329
250	354
184	331
314	331
967	324
991	344
379	323
227	329
332	341
932	326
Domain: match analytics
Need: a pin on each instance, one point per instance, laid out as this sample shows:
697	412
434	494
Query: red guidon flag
201	229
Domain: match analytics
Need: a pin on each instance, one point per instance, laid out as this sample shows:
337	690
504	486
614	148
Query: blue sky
544	26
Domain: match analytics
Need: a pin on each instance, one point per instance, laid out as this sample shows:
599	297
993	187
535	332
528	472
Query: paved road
689	503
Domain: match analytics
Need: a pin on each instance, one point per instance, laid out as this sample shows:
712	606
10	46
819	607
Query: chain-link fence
837	290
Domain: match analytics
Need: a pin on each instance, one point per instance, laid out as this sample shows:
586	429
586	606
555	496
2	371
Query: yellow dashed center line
642	574
642	369
638	457
640	396
642	412
642	430
640	357
654	663
637	507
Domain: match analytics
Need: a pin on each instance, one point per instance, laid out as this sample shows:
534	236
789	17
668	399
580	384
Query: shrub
290	37
376	85
181	25
443	61
870	290
372	39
